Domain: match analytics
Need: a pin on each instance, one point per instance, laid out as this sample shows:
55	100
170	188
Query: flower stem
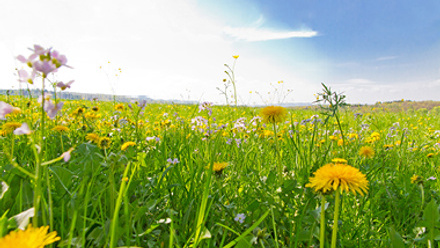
322	228
336	218
278	155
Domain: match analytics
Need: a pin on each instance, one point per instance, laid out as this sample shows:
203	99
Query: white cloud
385	58
263	34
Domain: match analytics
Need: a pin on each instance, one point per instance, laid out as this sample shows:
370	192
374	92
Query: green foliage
169	197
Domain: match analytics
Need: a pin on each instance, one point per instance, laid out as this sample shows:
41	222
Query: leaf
22	219
430	215
5	188
246	242
395	238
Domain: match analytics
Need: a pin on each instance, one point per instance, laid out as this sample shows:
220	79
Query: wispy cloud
384	58
262	34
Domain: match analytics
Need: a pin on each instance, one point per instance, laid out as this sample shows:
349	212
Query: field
164	175
81	173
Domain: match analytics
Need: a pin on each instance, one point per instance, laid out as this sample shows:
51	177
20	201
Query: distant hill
90	96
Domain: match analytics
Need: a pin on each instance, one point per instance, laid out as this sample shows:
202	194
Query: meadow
137	174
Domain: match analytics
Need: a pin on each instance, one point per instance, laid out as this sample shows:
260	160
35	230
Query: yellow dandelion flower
95	108
127	144
29	238
332	177
366	152
11	126
430	155
104	142
340	142
353	136
78	111
274	114
119	106
92	137
235	56
416	179
388	147
60	128
339	161
218	167
266	133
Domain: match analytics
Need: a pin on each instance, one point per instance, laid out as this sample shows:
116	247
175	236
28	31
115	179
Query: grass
108	197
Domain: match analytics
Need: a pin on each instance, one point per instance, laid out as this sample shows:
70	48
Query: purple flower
240	218
45	67
39	50
24	129
6	109
24	77
431	178
58	59
173	161
64	86
206	105
52	109
66	155
28	61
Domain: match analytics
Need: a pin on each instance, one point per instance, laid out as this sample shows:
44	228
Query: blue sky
175	49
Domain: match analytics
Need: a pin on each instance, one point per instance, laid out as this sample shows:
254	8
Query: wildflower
23	129
44	67
340	142
52	109
219	167
104	143
416	179
7	109
430	155
388	147
353	136
235	56
375	136
28	61
64	86
240	218
66	155
273	114
25	77
119	107
78	111
92	138
157	139
59	59
29	238
173	161
127	144
95	108
10	126
339	161
206	106
366	152
332	177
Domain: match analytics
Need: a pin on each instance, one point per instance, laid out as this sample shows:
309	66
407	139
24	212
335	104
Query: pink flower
52	109
29	61
24	129
46	96
66	155
63	86
39	50
44	67
6	109
25	77
58	59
